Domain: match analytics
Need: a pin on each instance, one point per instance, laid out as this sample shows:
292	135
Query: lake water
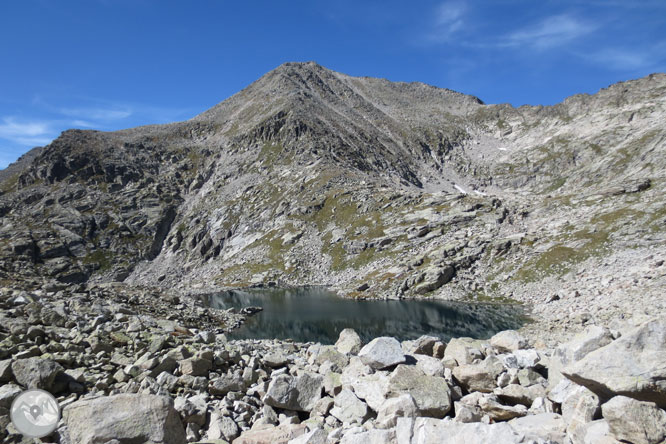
316	314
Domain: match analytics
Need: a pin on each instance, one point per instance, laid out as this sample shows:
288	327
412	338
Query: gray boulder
222	427
192	409
124	418
544	427
508	341
518	394
402	406
36	372
349	342
437	431
634	421
381	353
195	366
433	278
479	377
314	436
595	432
225	384
422	346
580	407
299	393
431	394
7	394
349	409
5	371
633	365
464	350
372	436
274	435
497	411
591	339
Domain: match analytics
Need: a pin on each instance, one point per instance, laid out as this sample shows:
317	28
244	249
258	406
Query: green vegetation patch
99	257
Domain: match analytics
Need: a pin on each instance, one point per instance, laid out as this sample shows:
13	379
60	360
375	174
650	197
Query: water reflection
315	314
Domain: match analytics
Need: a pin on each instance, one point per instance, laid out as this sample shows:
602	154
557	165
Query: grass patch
99	257
10	184
560	258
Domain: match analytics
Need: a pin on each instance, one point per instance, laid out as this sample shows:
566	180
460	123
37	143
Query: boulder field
132	377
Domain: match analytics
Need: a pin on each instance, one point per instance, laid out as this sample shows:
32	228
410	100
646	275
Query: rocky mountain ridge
375	188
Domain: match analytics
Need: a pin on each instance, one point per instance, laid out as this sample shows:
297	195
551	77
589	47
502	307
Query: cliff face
378	189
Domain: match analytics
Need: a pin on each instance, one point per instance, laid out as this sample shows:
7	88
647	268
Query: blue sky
112	64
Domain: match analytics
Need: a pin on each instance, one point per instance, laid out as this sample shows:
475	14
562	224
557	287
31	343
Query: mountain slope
375	188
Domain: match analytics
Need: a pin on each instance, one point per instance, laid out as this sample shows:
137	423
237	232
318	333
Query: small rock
221	426
195	366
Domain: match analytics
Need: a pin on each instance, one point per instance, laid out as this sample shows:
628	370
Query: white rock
349	342
634	365
222	427
463	350
544	427
402	406
431	393
373	389
508	341
314	436
349	409
580	406
126	418
437	431
595	432
429	365
299	393
373	436
635	421
381	353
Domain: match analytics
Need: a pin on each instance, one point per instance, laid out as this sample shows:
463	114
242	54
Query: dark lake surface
316	314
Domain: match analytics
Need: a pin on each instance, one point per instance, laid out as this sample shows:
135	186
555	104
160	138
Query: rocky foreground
123	374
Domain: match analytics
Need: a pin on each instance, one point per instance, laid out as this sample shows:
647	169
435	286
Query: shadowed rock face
376	188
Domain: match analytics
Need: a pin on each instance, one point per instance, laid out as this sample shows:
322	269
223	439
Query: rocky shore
126	373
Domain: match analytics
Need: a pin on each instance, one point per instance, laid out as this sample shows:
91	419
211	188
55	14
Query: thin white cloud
554	31
97	113
449	19
619	59
11	128
84	124
630	59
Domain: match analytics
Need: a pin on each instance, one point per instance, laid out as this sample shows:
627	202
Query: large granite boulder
126	418
349	342
634	421
431	394
437	431
36	372
272	435
633	365
381	353
299	393
508	341
479	377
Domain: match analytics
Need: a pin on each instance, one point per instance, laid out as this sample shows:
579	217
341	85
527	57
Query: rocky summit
374	189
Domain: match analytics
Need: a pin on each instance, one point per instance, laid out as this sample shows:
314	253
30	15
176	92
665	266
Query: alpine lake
310	314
